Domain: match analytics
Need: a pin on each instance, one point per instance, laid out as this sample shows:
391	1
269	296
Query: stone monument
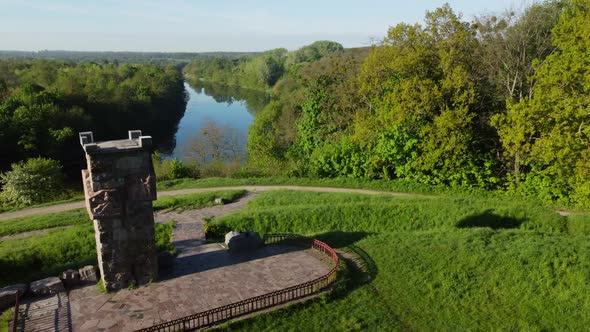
119	186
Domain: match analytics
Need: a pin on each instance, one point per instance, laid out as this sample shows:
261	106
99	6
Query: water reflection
254	100
231	109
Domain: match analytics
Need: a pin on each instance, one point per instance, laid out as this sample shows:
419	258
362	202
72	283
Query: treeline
261	71
44	104
119	57
502	102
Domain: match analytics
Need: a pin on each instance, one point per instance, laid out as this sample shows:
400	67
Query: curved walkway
204	276
79	205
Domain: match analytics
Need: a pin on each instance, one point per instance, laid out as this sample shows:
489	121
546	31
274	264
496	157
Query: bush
170	169
34	181
215	231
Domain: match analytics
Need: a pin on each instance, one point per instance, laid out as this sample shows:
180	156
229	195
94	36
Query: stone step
45	314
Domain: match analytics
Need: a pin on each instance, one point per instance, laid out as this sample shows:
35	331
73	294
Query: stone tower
119	186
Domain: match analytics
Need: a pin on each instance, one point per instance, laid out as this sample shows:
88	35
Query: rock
88	273
70	278
165	260
8	295
52	285
220	201
242	241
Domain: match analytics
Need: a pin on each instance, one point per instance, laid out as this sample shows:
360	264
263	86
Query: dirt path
79	205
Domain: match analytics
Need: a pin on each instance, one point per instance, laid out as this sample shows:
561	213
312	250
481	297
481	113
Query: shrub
36	180
170	169
214	231
179	170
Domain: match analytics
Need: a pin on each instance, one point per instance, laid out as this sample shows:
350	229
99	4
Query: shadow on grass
360	267
340	239
491	220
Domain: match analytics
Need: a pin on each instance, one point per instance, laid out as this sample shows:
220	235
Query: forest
118	57
501	102
498	102
44	104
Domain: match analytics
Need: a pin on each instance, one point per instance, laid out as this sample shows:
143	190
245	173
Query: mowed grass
51	252
197	200
440	263
43	221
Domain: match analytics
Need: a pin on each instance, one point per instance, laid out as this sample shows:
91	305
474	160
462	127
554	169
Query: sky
212	25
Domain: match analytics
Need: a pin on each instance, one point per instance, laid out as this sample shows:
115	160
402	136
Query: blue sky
221	25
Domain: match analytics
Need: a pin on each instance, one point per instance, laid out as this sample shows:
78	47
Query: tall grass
441	263
47	254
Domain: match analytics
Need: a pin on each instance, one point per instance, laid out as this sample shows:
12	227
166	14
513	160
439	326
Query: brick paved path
205	276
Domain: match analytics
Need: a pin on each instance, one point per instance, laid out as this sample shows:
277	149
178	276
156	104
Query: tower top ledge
135	141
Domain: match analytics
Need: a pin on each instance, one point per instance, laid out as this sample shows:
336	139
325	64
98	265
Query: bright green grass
43	221
197	200
441	264
47	254
80	216
5	318
385	185
73	195
164	237
397	185
50	253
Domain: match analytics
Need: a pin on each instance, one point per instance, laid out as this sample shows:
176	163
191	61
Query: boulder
88	273
165	260
70	278
242	241
52	285
8	295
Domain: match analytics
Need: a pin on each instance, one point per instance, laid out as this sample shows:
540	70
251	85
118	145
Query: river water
230	109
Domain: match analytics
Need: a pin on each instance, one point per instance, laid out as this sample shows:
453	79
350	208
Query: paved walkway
79	205
204	276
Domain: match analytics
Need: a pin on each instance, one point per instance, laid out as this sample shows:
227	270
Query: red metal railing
222	314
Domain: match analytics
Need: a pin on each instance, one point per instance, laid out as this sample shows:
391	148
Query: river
229	109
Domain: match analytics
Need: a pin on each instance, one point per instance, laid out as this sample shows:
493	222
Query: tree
314	52
215	144
510	43
552	137
36	180
509	46
421	83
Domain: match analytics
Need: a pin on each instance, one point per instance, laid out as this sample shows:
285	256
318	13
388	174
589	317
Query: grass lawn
197	200
49	253
43	221
396	185
439	264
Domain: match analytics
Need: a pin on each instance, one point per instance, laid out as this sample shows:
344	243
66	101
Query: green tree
509	46
549	132
314	52
36	180
422	81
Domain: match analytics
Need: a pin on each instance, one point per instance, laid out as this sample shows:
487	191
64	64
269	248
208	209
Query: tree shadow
361	269
491	220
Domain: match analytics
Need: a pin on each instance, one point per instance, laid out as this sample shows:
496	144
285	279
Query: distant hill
122	57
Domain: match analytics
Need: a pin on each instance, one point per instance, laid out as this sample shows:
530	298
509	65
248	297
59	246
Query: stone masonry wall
119	187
